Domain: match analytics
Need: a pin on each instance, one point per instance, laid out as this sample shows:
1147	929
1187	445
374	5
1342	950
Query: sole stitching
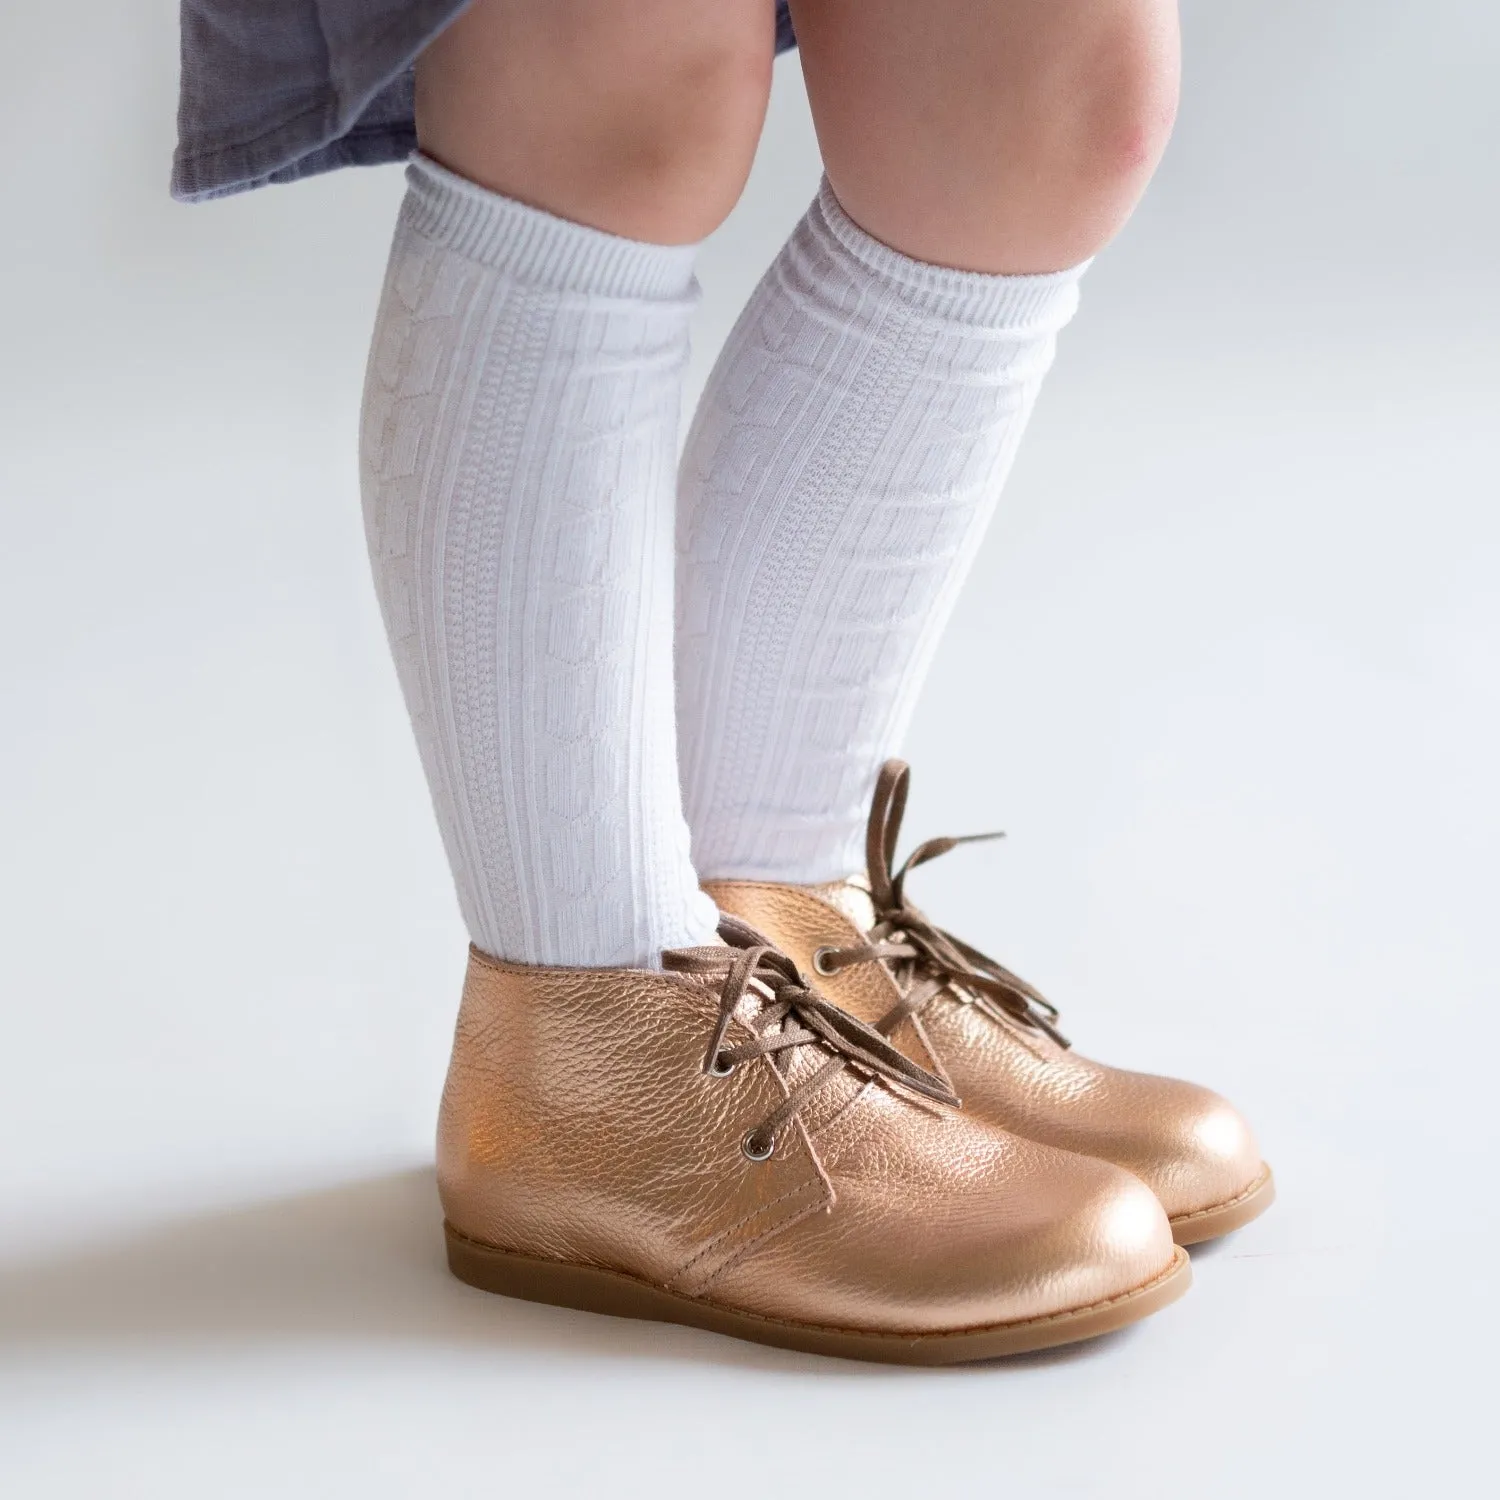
1217	1208
1179	1258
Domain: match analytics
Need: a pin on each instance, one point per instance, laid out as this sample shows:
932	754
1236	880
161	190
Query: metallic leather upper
1189	1145
578	1122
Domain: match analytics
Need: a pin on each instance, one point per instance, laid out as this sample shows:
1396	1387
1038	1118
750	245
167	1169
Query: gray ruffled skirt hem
277	90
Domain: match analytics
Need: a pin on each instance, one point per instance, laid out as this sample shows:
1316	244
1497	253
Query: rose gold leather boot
717	1145
994	1038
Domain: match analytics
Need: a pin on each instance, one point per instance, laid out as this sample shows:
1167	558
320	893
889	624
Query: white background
1227	670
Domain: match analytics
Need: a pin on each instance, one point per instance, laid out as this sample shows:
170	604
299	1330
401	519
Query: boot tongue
851	897
799	1064
831	1098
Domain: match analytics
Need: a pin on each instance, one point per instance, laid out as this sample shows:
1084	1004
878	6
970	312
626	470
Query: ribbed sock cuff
972	297
536	247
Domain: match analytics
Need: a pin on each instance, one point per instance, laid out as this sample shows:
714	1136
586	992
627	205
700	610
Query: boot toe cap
1114	1239
961	1228
1207	1154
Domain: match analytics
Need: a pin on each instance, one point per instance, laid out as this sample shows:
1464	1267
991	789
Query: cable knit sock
840	473
518	445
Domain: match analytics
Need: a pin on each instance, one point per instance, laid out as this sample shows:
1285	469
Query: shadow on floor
359	1261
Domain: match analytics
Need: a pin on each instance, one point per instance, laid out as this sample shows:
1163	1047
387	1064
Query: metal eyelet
821	964
755	1149
722	1066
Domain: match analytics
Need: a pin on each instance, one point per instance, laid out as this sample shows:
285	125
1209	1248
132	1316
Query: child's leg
518	448
992	135
637	118
858	427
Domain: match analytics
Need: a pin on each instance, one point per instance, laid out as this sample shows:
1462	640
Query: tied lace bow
926	959
791	1015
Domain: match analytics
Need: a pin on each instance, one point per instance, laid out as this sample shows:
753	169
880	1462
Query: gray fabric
277	90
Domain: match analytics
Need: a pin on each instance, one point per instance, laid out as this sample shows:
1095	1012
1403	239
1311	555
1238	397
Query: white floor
1226	672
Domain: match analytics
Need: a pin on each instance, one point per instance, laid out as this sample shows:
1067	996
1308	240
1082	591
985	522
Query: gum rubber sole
590	1289
1233	1213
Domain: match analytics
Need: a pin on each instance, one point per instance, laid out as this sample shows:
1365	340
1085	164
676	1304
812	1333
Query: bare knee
640	119
1112	116
1010	136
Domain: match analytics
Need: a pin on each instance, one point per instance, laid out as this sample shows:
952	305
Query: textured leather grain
578	1124
1189	1145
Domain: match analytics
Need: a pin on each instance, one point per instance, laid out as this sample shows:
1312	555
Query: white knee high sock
842	467
517	455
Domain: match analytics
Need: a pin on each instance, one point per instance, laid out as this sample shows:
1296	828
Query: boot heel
552	1281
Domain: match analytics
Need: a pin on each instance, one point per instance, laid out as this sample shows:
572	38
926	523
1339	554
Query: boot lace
791	1015
925	960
